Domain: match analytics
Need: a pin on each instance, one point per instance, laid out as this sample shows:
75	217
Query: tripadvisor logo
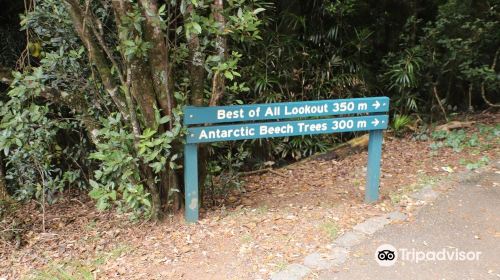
387	255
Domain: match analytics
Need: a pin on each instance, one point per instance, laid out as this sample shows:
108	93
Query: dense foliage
99	106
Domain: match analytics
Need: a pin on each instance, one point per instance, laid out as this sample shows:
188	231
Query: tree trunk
4	195
96	55
218	82
197	78
158	58
197	72
148	83
163	87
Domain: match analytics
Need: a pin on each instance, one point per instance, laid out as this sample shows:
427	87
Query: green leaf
102	204
173	165
228	75
148	132
157	166
161	9
96	193
258	10
183	6
196	27
146	202
112	195
164	120
94	184
129	43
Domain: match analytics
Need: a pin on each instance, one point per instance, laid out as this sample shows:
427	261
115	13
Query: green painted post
373	170
191	182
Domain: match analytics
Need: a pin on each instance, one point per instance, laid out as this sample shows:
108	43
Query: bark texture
138	82
4	195
218	82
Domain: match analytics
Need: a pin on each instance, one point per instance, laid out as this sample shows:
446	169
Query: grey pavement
466	218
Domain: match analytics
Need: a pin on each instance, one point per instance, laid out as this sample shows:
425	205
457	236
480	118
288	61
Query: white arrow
375	122
376	104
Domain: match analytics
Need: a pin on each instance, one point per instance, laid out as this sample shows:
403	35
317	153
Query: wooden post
191	182
373	170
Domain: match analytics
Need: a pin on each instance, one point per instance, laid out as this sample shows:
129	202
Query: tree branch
483	91
96	22
218	82
77	102
158	61
196	69
96	56
434	89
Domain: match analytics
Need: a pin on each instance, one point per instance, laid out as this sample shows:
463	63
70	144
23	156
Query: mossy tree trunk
4	195
133	82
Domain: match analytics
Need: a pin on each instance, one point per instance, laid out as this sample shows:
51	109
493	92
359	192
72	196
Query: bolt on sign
270	120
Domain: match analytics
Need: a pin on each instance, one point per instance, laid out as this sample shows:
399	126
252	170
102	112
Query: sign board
267	121
283	129
286	110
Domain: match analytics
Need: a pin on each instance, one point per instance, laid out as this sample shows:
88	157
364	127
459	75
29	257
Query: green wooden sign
366	114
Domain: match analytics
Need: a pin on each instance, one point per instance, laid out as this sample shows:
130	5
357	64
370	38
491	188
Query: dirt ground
280	218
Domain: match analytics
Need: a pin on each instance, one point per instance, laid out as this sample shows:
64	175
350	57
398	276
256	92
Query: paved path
466	218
